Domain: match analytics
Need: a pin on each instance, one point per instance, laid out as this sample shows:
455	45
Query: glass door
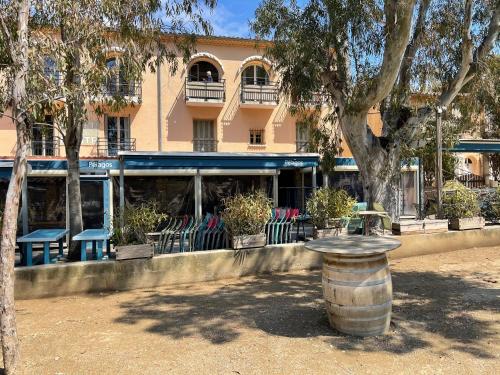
95	202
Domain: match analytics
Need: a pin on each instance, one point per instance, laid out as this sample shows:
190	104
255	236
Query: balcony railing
204	91
205	145
107	148
261	94
117	87
303	146
44	148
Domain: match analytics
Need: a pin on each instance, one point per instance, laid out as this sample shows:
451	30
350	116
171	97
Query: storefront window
216	188
350	182
47	203
174	195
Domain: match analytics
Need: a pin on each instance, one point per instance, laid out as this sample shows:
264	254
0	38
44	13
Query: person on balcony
209	76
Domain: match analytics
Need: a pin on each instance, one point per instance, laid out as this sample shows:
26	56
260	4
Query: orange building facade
223	105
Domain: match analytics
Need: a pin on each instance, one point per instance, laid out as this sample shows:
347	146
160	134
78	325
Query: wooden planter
435	226
333	227
134	251
249	241
467	223
408	227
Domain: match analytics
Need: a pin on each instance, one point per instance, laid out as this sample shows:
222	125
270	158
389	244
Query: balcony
259	95
205	94
107	148
302	146
130	91
204	145
44	147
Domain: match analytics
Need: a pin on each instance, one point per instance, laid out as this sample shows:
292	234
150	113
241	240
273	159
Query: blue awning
477	145
216	160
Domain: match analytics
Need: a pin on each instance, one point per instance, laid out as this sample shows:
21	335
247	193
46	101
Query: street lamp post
439	163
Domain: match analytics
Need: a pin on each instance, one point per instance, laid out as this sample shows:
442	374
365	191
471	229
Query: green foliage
246	214
329	203
459	201
489	202
138	220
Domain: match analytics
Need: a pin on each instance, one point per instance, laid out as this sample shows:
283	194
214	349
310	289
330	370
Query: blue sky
231	17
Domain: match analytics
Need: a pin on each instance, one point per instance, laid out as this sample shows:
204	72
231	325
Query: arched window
117	83
203	71
468	161
255	75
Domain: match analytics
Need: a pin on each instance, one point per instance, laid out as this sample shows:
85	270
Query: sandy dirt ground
446	320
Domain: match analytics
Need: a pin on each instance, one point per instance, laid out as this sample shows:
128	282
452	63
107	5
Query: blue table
45	236
99	239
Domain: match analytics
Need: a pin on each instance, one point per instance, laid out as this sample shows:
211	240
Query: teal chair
355	224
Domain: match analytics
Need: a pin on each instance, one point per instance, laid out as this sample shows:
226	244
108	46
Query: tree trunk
74	201
8	330
379	167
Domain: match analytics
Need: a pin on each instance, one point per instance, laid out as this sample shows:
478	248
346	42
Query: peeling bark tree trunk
8	330
72	142
378	167
74	201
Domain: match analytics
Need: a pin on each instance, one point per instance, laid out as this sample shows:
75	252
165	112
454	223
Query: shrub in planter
489	202
245	217
327	206
461	207
138	220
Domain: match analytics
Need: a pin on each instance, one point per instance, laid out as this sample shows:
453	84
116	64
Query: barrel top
354	245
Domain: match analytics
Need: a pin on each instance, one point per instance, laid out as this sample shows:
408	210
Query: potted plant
245	217
461	207
131	241
327	208
489	202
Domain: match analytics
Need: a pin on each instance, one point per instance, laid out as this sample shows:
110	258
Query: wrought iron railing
44	147
205	91
471	180
259	93
205	145
107	148
116	87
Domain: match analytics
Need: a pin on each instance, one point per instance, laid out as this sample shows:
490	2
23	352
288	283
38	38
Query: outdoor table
367	215
301	220
356	280
45	236
99	239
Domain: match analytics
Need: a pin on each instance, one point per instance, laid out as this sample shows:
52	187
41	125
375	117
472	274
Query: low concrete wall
424	244
172	269
169	269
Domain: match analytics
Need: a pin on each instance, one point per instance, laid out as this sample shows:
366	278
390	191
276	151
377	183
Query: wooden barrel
358	293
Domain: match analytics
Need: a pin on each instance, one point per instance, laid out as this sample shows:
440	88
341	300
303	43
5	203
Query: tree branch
487	44
7	36
411	49
398	25
467	58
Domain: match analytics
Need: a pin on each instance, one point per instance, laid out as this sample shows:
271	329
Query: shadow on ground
292	306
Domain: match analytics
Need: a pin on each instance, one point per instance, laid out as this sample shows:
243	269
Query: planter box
435	226
467	223
249	241
134	251
408	227
327	232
